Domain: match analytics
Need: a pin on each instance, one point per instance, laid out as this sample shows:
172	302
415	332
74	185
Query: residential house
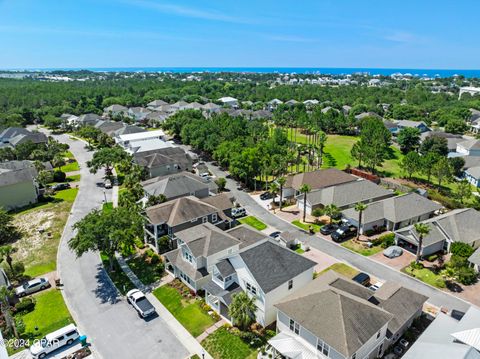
334	317
345	195
452	139
449	337
420	125
247	235
115	110
156	103
291	102
177	185
156	118
88	119
363	115
13	136
229	102
165	161
194	106
18	187
179	105
266	271
288	239
393	213
273	104
126	130
472	175
474	260
460	225
143	141
109	127
316	180
469	147
138	114
199	249
211	107
166	219
310	103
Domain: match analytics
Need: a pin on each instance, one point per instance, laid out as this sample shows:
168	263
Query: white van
55	340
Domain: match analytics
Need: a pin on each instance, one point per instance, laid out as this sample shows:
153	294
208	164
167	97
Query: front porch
289	346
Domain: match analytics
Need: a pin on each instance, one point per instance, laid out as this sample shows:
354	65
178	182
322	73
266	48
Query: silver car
393	252
32	286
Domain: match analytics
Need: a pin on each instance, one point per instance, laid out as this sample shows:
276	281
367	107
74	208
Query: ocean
284	70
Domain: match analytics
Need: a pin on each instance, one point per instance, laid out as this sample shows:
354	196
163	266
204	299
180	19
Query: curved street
111	325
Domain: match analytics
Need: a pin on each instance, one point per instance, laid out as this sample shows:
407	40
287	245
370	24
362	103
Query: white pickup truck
141	304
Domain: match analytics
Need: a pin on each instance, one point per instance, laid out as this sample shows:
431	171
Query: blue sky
304	33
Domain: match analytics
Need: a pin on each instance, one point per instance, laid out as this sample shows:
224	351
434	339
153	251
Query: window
188	257
294	327
204	219
323	347
194	220
380	349
250	288
290	284
378	334
354	356
228	278
214	217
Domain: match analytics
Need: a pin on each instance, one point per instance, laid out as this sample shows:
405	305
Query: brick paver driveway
397	263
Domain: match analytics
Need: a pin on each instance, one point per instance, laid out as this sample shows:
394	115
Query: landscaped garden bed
306	225
147	266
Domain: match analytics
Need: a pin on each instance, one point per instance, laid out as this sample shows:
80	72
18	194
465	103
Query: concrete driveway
108	321
396	263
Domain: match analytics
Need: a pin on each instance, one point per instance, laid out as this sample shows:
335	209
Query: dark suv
362	278
344	232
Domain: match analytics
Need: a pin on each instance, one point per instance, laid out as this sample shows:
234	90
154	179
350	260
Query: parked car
266	195
32	286
275	234
329	228
53	341
393	252
398	350
403	343
205	175
344	232
238	212
107	184
141	304
60	186
362	278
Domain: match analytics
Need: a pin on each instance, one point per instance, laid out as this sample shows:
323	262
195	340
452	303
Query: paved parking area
397	263
324	260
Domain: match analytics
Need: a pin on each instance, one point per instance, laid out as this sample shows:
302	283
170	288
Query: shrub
432	258
461	249
440	283
149	253
139	243
25	305
369	232
466	275
415	265
59	176
155	259
317	212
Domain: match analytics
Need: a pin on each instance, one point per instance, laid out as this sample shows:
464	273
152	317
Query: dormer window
214	217
205	219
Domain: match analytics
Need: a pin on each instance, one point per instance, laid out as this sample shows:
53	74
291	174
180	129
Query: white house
472	175
229	101
143	141
469	147
266	271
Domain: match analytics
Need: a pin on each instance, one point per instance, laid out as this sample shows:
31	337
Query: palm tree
273	191
281	182
331	211
305	189
322	139
360	207
242	309
6	253
423	230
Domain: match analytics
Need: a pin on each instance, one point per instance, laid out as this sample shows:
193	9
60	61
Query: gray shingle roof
174	185
348	194
342	320
247	235
175	257
395	209
164	156
319	179
273	265
13	172
206	239
225	268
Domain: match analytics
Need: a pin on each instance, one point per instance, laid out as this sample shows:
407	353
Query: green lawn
50	314
188	313
68	155
70	167
74	178
118	276
222	344
427	276
147	273
107	207
360	248
342	269
306	226
253	222
67	195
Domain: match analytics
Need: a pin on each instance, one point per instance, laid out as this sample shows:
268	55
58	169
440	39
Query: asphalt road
364	264
110	323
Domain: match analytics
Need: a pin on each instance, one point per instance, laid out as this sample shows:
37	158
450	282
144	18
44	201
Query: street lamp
104	196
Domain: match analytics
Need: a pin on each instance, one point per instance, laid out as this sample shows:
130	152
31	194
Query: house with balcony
199	248
334	317
164	161
266	271
169	218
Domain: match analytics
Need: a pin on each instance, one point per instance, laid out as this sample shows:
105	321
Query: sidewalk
133	278
211	329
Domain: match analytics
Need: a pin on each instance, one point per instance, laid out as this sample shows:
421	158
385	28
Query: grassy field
70	167
253	222
360	248
188	313
306	226
50	314
342	269
42	227
74	178
222	344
